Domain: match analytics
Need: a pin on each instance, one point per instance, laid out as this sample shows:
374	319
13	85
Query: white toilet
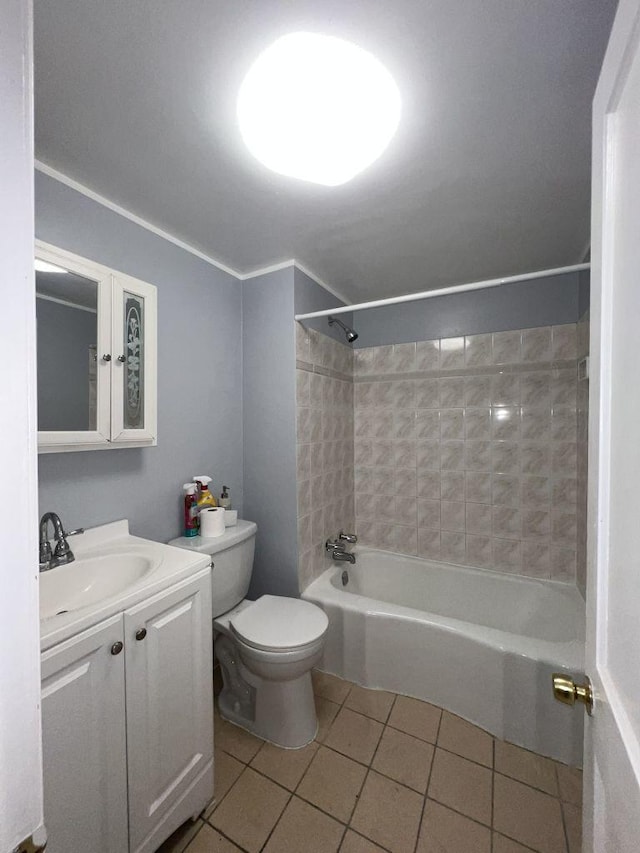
266	648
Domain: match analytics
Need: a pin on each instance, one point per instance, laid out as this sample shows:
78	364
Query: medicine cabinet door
133	386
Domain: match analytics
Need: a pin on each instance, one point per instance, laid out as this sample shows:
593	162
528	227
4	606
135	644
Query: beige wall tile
388	814
445	830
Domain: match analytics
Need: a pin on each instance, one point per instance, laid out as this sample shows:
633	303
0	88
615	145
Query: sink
90	580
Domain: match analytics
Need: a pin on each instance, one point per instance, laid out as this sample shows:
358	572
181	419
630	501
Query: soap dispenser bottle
190	509
225	500
205	498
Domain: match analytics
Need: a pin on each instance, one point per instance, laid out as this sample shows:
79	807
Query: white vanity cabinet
84	741
96	355
169	670
127	712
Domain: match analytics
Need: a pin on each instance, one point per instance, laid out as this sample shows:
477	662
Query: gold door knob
566	690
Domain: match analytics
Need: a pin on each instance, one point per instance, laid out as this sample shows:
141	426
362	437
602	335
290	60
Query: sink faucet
338	552
62	553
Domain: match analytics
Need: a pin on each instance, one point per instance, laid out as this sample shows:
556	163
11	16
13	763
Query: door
169	700
84	742
133	378
20	754
612	739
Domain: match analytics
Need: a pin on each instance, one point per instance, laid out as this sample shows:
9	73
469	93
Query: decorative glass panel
134	361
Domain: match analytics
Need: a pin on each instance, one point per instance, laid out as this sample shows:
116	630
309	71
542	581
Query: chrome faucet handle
73	532
351	538
333	545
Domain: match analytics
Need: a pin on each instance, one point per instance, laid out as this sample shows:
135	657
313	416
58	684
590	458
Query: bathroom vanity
127	700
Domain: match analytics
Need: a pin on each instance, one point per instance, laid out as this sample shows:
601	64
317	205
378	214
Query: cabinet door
134	368
73	312
84	742
169	700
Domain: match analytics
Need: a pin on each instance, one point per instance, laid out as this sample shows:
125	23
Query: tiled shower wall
325	481
466	450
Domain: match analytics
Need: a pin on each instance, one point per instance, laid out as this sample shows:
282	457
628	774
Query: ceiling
487	176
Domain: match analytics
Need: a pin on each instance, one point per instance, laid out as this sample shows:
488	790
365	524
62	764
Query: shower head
350	334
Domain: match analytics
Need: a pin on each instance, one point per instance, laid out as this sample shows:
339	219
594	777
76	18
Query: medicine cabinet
96	355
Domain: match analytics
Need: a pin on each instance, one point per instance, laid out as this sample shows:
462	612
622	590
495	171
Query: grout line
426	791
493	786
564	822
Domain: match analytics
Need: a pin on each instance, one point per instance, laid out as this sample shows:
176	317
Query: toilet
266	648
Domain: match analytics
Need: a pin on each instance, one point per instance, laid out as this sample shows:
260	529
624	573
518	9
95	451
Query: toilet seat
275	623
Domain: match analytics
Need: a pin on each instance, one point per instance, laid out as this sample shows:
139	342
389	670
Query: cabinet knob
141	633
106	356
122	358
116	648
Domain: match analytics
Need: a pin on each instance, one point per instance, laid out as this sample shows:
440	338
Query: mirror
67	334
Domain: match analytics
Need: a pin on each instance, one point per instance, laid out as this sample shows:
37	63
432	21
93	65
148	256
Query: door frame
20	728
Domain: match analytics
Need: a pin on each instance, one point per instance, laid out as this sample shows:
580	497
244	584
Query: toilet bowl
266	648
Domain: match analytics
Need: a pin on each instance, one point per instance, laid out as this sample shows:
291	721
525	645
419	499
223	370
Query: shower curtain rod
443	291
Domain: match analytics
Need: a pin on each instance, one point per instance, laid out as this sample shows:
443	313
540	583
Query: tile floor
386	773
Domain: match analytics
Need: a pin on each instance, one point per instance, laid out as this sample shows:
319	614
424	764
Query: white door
20	755
84	742
612	739
169	700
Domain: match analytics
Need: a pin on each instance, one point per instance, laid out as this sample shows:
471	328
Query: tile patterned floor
386	774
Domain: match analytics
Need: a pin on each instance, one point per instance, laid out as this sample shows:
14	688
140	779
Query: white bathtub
481	644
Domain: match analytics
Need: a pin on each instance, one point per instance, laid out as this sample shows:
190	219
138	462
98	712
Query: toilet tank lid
276	622
232	536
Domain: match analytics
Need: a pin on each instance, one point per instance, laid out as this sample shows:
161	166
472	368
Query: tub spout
343	556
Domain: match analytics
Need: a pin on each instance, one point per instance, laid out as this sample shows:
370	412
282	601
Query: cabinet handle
116	648
141	633
106	356
122	358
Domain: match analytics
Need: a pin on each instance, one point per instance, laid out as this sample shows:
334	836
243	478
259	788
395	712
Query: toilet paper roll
212	522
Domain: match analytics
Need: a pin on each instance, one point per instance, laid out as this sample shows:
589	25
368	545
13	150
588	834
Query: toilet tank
232	559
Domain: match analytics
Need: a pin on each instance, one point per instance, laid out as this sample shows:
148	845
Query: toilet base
281	712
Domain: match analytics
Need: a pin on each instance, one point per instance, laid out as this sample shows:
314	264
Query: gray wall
64	334
309	296
544	302
199	376
269	416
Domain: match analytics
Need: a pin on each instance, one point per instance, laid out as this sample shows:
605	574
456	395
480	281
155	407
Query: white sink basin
90	580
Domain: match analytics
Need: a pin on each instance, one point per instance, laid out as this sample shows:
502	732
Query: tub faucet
351	538
343	556
338	552
62	553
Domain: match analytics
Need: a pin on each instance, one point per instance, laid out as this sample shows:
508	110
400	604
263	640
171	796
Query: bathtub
481	644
